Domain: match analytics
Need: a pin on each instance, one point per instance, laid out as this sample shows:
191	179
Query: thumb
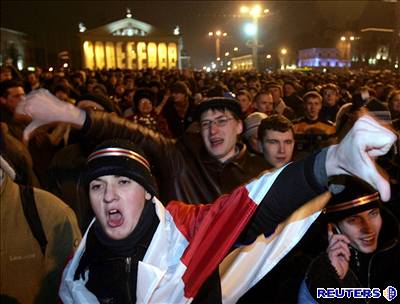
330	231
380	181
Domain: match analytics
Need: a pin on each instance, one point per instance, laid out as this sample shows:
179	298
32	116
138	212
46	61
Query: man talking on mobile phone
363	252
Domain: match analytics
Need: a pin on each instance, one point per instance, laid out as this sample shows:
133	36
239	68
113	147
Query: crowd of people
118	151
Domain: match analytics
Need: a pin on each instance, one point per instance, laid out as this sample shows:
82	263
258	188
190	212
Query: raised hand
355	154
338	252
43	108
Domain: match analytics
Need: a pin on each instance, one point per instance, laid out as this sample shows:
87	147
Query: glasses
220	122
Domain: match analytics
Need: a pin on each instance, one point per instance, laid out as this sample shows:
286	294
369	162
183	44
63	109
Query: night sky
290	24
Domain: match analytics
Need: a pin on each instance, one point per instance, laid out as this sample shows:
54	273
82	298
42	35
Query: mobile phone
336	229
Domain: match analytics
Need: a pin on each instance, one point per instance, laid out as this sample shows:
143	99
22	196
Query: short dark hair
245	93
330	86
312	94
262	92
274	122
8	84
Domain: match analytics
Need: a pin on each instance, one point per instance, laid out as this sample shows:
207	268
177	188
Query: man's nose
110	194
366	226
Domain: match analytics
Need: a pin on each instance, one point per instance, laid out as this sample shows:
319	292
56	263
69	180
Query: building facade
322	57
130	44
14	48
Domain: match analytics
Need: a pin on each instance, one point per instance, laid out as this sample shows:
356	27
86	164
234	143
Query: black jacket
377	270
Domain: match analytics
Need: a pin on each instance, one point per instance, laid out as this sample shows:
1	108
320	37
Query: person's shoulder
255	162
299	120
50	206
326	122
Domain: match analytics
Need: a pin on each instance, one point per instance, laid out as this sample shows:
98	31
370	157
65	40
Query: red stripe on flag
211	230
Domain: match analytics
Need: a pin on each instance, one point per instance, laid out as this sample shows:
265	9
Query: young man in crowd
312	132
263	103
364	247
276	136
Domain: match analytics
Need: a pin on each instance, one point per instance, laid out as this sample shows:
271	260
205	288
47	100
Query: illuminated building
130	44
321	57
243	63
14	48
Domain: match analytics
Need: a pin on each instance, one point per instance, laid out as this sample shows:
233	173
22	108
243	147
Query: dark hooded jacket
377	270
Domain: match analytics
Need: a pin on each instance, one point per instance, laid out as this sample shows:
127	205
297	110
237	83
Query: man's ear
240	127
260	145
147	196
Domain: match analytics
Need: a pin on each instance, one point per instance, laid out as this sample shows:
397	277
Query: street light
284	51
255	12
218	35
344	47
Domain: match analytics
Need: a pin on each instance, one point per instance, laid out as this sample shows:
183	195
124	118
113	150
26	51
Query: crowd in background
286	116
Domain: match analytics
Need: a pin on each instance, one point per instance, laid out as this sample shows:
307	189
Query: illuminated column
110	55
162	55
172	55
99	54
152	54
120	55
88	54
131	55
141	55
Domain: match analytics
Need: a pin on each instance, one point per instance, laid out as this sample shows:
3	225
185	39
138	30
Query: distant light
223	71
218	58
255	11
324	70
229	63
210	33
343	38
396	66
213	65
228	68
30	68
283	51
250	29
378	56
177	30
208	69
226	53
218	33
224	34
244	10
351	38
204	67
51	69
266	11
269	56
82	27
128	13
236	49
65	65
20	64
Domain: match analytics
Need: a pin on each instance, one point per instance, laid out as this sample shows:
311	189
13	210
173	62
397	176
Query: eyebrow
220	116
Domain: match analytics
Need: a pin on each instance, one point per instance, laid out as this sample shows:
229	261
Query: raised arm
44	108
